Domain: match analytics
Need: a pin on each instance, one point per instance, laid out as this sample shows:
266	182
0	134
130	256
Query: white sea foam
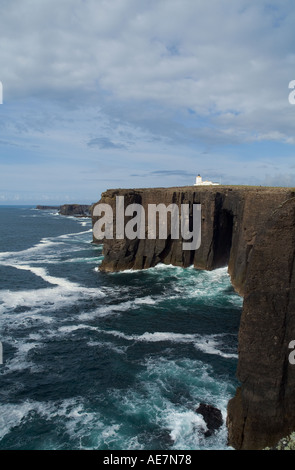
73	234
70	328
184	425
60	293
104	311
23	320
78	424
20	360
11	415
71	415
42	272
44	245
145	301
108	345
190	283
153	401
116	309
206	343
209	344
87	260
152	270
19	255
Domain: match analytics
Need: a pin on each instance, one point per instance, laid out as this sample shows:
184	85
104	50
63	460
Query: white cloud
229	55
146	83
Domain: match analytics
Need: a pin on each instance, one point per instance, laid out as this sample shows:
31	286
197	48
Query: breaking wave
118	361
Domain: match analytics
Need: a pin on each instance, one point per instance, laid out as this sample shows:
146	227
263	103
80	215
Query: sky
103	94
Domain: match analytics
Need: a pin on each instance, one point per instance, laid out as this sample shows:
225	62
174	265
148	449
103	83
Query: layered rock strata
252	231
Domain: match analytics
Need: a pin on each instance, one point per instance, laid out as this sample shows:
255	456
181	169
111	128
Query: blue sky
101	94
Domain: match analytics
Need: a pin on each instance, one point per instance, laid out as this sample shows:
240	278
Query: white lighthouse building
200	182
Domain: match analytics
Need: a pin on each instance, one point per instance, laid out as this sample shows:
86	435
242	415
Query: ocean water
107	361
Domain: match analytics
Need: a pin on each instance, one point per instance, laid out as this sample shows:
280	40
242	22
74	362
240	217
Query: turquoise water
107	361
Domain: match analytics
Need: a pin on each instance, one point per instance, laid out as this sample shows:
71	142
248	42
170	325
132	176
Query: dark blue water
107	361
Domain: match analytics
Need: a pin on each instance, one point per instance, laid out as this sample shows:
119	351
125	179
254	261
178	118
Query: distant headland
75	210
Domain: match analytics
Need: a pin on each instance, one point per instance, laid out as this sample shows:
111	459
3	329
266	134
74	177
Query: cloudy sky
102	94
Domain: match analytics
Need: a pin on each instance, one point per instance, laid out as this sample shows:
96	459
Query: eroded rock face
263	410
252	230
231	219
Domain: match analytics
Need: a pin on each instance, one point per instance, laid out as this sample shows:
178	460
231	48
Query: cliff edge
252	231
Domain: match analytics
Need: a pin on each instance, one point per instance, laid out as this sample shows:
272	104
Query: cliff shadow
222	238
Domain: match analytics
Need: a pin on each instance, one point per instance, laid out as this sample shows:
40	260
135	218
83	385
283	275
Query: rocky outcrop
212	417
252	231
76	210
45	208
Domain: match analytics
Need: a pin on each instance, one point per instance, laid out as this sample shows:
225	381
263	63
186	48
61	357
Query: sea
107	361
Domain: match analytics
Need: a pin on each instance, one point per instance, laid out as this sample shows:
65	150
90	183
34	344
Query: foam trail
41	272
43	244
207	344
61	292
69	235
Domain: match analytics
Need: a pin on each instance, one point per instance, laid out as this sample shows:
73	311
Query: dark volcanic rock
252	231
212	417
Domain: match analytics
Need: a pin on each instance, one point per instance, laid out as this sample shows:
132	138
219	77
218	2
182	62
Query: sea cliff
75	210
252	231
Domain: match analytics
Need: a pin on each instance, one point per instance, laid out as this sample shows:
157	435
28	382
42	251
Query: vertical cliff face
252	231
263	410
